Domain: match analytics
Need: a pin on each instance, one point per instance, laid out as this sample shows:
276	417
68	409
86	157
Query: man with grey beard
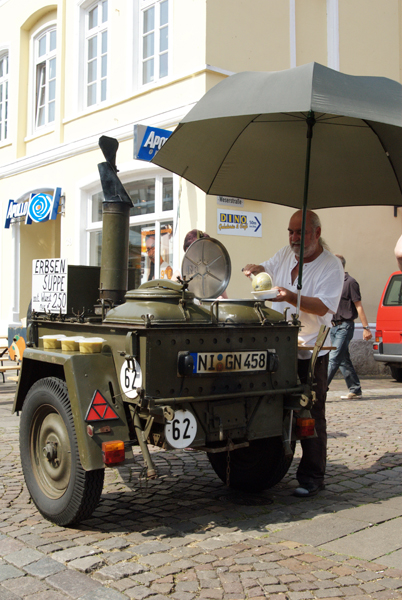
322	287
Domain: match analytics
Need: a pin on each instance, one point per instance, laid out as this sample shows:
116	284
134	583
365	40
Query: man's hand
284	295
313	306
367	335
252	270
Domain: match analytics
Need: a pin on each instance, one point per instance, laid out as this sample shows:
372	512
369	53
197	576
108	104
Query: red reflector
305	427
375	347
113	452
100	409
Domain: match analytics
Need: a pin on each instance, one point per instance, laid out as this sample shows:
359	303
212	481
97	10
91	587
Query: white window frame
159	217
102	58
4	105
145	5
46	83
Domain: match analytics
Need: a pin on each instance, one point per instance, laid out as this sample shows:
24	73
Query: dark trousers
314	458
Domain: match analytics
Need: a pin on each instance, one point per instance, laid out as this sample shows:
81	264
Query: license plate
215	362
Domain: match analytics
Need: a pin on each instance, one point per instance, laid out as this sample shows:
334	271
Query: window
151	228
45	78
3	96
393	296
146	242
96	41
155	40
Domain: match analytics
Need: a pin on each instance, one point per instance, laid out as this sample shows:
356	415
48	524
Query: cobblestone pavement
187	536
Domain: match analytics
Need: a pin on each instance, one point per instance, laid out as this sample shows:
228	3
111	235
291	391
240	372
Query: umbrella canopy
247	138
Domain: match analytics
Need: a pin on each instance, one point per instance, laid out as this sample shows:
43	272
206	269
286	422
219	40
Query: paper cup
51	342
91	345
71	344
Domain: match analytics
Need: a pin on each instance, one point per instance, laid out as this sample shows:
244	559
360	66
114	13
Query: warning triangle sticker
100	409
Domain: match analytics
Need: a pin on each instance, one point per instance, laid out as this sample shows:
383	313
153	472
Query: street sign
239	222
230	202
148	140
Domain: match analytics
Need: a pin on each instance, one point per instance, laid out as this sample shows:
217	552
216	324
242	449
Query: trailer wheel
62	491
258	467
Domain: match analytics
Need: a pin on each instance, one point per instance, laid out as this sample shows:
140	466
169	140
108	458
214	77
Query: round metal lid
207	262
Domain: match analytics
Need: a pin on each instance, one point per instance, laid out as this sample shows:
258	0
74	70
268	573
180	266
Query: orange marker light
305	427
113	452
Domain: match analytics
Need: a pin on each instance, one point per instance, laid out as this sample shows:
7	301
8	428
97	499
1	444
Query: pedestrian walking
342	330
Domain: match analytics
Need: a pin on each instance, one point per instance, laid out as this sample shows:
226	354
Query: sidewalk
186	536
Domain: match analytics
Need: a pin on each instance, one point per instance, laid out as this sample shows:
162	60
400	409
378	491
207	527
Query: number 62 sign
181	431
130	378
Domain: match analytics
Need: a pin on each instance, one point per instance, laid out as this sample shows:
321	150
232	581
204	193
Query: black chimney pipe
116	226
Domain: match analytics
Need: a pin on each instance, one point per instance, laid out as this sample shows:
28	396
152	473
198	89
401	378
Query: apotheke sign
39	208
148	140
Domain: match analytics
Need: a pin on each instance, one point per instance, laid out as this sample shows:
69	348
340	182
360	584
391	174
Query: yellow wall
248	36
188	36
366	237
370	37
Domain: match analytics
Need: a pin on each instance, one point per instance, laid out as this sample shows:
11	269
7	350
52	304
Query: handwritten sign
49	285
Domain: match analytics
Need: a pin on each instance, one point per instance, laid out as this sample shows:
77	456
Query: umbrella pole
310	123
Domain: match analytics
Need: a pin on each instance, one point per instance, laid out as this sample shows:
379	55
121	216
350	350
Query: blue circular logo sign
39	207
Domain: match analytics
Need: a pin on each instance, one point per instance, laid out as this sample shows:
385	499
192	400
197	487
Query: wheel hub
50	451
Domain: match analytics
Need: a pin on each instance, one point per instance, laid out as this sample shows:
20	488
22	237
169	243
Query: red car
388	336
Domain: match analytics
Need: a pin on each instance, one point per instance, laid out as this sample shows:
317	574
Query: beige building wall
209	40
369	37
245	37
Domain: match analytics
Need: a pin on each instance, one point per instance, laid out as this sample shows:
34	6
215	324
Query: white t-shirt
322	278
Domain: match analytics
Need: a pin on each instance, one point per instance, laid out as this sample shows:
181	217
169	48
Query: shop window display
151	229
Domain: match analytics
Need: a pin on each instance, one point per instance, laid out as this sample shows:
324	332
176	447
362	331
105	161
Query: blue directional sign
148	140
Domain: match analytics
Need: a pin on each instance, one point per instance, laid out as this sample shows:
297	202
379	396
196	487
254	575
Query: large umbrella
304	136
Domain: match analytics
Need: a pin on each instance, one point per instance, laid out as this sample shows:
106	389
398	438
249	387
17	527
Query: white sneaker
352	396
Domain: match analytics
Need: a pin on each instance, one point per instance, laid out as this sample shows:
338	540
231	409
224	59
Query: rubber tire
64	493
255	468
396	373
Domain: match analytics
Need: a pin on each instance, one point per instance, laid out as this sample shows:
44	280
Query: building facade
72	71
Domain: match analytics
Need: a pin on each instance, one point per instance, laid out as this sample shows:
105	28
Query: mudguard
86	375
